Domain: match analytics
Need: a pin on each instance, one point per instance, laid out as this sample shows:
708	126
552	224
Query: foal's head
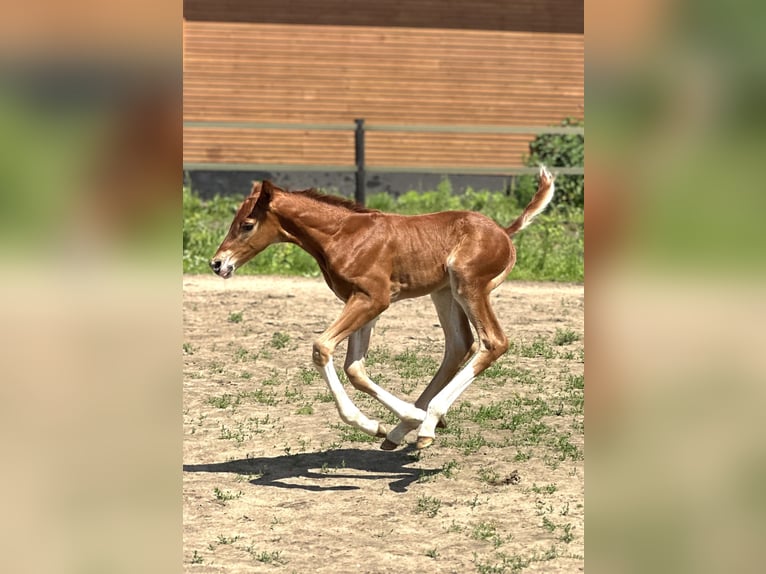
254	228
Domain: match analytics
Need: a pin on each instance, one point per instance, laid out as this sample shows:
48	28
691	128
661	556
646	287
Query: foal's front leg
358	343
359	311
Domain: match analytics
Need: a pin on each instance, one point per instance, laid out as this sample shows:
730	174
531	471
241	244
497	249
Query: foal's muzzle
219	268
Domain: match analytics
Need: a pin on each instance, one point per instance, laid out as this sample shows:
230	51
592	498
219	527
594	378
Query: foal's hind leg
459	345
358	343
493	344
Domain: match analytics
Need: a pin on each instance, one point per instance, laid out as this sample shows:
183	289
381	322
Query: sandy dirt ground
273	480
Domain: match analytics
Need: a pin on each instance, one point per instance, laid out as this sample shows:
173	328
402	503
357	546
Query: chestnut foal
371	259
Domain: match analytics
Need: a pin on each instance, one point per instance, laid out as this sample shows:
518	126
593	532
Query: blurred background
90	233
90	177
674	258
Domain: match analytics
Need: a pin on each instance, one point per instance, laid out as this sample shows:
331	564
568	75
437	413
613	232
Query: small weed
188	349
537	348
488	475
450	468
522	456
265	557
351	434
275	522
224	401
428	505
484	531
548	524
474	502
227	539
412	365
217	367
308	376
306	409
454	527
432	553
325	397
564	337
567	536
242	354
260	396
235	317
508	564
547	489
280	340
225	495
196	558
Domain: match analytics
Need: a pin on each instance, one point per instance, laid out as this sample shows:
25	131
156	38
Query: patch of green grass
467	441
414	365
488	475
196	558
241	354
488	531
306	409
351	434
188	349
432	553
280	340
227	539
308	376
225	495
324	397
224	401
566	535
548	524
235	317
564	337
547	489
265	557
428	505
260	396
537	348
377	356
217	367
450	468
509	564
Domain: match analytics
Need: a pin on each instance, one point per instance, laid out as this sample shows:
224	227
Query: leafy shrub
556	150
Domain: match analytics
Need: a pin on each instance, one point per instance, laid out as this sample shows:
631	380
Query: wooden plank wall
301	73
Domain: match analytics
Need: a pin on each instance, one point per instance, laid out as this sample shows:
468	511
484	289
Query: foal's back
418	252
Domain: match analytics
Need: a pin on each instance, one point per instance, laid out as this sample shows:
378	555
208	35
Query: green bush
556	150
549	249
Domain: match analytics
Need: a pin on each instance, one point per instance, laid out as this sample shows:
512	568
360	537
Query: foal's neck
309	222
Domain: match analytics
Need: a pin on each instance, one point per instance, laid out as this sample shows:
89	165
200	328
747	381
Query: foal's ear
267	191
263	192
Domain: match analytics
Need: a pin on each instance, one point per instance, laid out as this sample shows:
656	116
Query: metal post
360	193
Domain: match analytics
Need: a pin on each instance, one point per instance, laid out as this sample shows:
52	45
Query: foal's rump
426	249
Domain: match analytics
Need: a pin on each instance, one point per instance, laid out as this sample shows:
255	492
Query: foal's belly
417	284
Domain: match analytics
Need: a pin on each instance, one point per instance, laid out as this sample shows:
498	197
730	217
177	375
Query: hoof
442	424
424	442
388	445
382	431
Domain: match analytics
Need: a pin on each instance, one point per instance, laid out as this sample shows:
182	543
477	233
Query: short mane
335	200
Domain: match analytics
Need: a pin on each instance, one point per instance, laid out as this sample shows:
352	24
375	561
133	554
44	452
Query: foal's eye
247	227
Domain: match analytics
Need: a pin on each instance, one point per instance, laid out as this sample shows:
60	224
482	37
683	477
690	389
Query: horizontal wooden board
261	72
555	16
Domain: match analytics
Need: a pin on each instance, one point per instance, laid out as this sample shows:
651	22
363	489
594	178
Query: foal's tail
539	202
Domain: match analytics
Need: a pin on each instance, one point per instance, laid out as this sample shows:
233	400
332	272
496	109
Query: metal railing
361	169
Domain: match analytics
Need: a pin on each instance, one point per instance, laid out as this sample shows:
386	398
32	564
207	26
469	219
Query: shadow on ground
325	469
